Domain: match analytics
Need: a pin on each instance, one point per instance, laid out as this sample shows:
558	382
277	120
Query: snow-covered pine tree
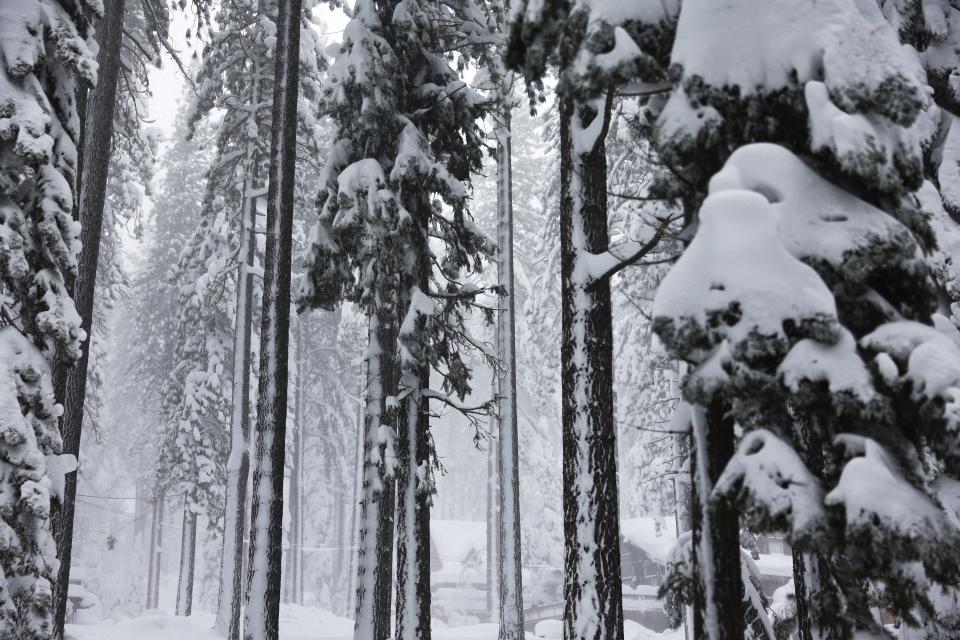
597	48
44	57
804	304
263	589
192	443
933	32
99	115
157	322
505	514
406	143
236	76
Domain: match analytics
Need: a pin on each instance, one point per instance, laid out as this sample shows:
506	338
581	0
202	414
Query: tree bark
593	608
97	139
717	530
375	539
811	571
508	469
414	480
188	557
238	466
262	615
413	521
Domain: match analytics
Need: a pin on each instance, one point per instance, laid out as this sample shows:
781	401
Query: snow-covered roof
776	564
642	532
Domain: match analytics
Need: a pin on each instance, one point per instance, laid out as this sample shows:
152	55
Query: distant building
458	563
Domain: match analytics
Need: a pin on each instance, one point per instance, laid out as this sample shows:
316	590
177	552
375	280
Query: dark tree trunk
508	474
188	560
726	590
817	607
696	542
97	139
414	494
262	617
413	522
592	587
375	540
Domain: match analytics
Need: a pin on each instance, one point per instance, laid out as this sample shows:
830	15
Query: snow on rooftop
642	532
775	564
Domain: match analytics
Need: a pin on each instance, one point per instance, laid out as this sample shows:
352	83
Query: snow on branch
729	283
601	266
886	515
768	478
482	409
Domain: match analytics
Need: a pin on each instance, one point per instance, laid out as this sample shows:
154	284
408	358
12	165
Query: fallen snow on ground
296	623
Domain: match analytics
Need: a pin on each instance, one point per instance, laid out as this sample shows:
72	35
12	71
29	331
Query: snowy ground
296	623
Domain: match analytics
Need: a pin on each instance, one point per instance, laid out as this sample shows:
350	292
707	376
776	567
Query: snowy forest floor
296	623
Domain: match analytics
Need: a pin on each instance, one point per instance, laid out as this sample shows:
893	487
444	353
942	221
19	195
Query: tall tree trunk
355	507
508	469
413	515
301	444
262	615
139	510
717	542
493	520
812	572
97	139
152	555
290	573
592	589
294	537
238	465
375	543
156	555
414	478
188	559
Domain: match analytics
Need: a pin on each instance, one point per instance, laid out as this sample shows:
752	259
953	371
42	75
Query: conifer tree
263	583
164	328
596	52
193	441
804	304
406	142
236	76
44	57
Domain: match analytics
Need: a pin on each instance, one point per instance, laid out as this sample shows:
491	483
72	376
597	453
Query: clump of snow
838	364
817	220
729	283
755	45
884	512
779	492
930	359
